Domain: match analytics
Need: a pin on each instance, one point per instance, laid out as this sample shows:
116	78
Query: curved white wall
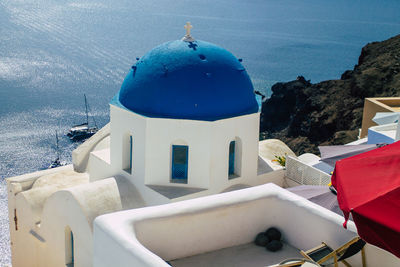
40	239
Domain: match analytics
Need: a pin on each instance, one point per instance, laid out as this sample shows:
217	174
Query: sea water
54	51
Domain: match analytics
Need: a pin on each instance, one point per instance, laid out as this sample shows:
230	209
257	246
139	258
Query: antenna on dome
188	37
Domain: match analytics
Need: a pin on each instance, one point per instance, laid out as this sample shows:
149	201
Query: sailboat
56	163
83	131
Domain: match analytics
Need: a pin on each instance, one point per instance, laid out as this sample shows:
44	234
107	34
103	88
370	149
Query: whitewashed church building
184	124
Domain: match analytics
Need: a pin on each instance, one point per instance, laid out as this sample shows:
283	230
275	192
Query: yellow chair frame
335	254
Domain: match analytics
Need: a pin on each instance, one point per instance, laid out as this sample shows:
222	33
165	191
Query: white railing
302	173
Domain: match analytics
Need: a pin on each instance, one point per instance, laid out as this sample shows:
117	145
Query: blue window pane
130	152
231	158
179	162
72	248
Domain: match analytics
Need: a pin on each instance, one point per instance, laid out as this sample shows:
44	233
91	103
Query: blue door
180	162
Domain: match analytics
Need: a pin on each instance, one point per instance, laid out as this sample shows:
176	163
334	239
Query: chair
325	255
297	263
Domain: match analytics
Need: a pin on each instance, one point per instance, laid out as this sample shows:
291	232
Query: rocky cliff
305	115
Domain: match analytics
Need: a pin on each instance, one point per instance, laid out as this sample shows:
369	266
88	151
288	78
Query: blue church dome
188	80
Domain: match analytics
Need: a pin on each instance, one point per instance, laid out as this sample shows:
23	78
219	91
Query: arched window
69	247
231	170
235	158
180	158
128	154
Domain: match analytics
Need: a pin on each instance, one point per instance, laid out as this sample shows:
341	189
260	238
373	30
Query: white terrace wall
148	236
205	230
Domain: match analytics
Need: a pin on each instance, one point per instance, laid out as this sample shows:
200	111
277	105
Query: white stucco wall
45	203
99	166
124	123
147	237
75	208
80	156
208	144
26	197
153	138
162	134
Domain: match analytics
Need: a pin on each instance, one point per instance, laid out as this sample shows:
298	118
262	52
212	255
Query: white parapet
151	236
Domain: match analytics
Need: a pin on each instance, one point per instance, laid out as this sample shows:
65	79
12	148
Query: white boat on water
84	130
57	162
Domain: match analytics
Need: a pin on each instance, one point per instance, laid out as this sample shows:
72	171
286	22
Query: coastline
304	115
